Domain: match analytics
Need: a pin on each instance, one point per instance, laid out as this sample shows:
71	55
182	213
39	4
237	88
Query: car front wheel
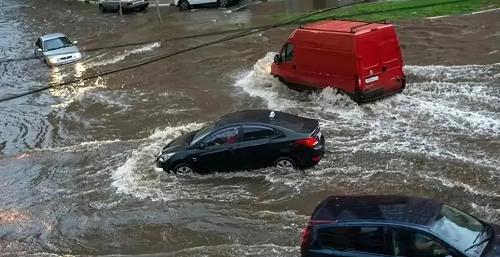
285	163
183	170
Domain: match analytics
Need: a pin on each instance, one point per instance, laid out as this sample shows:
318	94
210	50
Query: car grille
65	57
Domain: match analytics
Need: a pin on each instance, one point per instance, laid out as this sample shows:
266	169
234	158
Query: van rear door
369	60
381	59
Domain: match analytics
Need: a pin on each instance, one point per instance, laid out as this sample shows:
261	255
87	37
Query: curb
465	14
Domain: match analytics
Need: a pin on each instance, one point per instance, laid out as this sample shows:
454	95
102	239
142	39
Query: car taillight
306	234
309	142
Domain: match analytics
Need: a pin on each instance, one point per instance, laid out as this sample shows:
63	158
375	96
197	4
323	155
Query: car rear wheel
101	9
285	163
223	3
184	5
183	170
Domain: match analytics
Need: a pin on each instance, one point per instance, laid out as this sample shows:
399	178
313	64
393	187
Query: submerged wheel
101	9
183	170
184	5
223	3
285	163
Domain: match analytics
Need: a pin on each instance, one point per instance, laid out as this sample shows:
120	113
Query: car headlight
78	55
53	60
165	157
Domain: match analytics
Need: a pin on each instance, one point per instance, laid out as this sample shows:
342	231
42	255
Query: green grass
399	10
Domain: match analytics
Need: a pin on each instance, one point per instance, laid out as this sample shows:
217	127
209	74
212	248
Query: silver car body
127	5
56	49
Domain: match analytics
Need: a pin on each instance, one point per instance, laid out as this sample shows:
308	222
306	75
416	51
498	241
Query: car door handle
384	69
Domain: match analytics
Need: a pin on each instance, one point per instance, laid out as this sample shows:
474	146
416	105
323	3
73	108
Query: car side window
370	240
288	52
227	136
256	132
411	244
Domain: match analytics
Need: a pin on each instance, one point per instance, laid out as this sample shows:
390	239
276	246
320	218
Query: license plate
372	79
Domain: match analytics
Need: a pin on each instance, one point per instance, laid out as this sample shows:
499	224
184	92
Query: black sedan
246	140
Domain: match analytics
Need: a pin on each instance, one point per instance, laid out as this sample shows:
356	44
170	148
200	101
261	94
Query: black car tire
143	9
101	9
223	3
183	169
285	163
184	5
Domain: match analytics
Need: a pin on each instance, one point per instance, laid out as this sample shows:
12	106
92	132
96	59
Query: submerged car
188	4
246	140
127	5
389	225
56	49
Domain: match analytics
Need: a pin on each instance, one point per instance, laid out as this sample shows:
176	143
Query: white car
187	4
56	49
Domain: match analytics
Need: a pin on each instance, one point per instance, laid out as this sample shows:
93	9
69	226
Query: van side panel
326	59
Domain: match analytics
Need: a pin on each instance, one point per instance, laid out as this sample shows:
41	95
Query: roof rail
367	23
384	21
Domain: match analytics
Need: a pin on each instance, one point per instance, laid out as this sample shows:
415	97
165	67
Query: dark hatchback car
246	140
388	225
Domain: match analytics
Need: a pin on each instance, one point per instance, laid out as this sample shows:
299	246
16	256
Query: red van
362	59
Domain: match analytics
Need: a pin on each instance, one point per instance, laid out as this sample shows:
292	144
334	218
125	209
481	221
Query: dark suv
388	225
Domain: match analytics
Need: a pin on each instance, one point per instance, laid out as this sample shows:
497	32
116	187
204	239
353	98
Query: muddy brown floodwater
76	170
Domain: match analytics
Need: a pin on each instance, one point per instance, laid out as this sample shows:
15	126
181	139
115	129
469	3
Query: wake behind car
127	5
390	225
245	140
56	49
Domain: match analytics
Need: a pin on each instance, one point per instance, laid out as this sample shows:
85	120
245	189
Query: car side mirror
277	59
75	42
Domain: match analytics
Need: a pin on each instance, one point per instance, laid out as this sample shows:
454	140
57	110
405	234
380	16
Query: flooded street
76	161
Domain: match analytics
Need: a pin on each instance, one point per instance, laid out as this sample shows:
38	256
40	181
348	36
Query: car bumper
63	62
136	6
313	157
165	165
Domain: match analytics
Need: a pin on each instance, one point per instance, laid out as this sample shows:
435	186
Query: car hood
65	50
495	250
177	143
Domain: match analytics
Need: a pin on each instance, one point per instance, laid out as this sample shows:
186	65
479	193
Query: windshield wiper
480	243
485	228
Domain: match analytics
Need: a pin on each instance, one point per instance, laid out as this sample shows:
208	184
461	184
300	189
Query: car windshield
460	229
56	43
203	132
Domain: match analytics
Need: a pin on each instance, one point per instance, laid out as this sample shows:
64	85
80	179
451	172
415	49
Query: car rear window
353	239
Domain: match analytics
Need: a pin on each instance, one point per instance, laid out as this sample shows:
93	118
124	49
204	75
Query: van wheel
183	170
184	5
285	163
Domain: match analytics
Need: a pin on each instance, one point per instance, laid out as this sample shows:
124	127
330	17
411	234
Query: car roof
357	27
52	36
281	119
382	208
